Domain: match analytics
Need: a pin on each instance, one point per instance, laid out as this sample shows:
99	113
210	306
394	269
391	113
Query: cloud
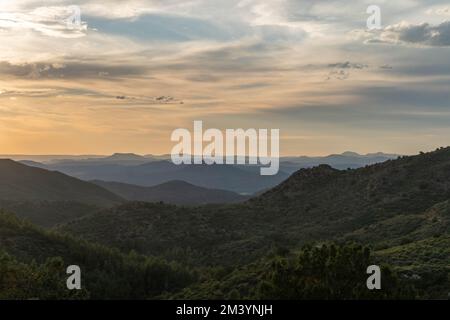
68	70
347	65
35	93
150	100
51	92
440	11
58	21
373	107
250	56
161	27
225	60
423	34
250	86
341	70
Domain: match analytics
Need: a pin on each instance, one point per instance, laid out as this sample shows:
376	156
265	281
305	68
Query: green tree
329	272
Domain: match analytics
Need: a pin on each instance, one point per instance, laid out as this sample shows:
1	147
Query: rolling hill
317	204
238	179
24	183
174	192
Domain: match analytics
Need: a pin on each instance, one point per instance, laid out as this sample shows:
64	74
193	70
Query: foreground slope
33	264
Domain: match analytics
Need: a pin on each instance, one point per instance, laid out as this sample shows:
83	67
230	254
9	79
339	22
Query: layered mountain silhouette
232	178
175	192
341	161
317	204
24	183
48	198
152	170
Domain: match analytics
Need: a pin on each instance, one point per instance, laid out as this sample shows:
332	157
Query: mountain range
150	171
319	203
388	206
398	208
48	198
174	192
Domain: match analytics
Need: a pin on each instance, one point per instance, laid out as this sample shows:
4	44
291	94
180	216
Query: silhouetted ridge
304	178
24	183
175	192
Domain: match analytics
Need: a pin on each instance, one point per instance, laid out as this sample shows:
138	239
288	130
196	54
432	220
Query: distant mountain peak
177	183
350	154
125	156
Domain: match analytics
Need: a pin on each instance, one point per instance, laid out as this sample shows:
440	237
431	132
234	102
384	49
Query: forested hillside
33	264
398	196
173	192
399	210
48	214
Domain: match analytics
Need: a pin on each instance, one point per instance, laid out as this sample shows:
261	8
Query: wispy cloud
423	34
50	21
136	69
68	70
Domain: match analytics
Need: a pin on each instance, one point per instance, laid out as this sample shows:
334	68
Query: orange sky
132	74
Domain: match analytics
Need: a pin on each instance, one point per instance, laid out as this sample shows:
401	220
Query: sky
133	71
